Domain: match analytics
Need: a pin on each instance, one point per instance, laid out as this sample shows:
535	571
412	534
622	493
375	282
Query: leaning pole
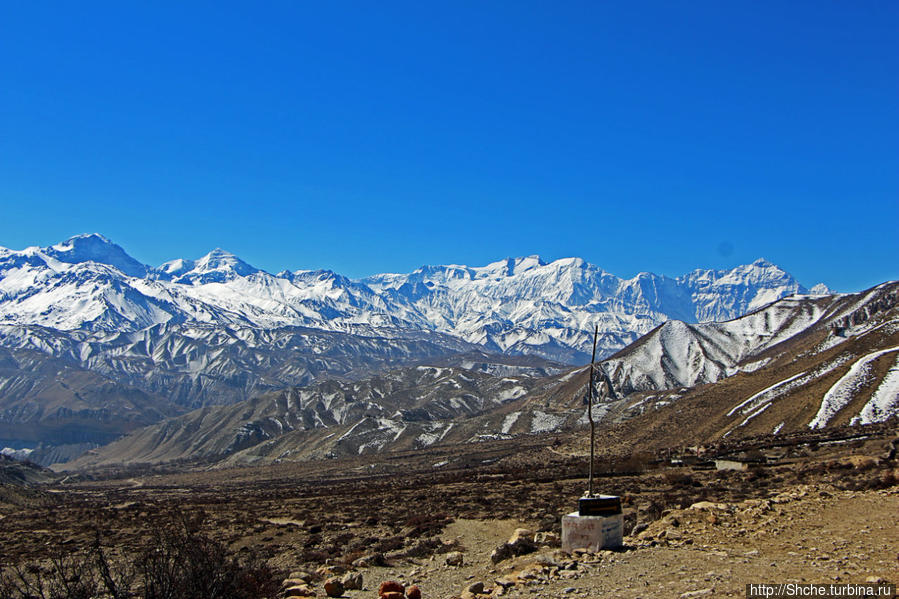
590	413
598	523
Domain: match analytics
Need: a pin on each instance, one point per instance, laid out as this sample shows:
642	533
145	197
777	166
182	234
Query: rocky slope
831	360
217	330
838	370
42	397
405	408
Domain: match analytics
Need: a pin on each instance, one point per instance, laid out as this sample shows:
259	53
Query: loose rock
454	558
352	581
519	544
333	587
547	538
390	586
413	592
372	559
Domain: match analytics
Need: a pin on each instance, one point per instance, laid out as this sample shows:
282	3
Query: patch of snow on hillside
446	431
429	437
760	394
352	428
753	366
599	412
567	377
509	421
885	402
542	422
16	454
511	393
844	389
754	414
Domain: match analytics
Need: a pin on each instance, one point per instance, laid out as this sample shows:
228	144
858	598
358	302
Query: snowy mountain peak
513	266
93	247
218	266
520	305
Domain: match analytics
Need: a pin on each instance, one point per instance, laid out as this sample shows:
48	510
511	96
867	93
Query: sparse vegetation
179	562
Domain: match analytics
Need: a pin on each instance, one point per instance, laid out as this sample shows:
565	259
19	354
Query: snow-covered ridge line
517	305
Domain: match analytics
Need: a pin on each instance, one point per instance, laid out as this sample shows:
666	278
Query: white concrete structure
592	533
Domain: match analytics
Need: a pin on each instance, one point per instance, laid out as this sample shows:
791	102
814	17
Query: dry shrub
678	479
179	562
313	556
389	544
343	538
861	462
426	524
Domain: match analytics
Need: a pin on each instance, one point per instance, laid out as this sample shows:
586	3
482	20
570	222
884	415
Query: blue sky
374	137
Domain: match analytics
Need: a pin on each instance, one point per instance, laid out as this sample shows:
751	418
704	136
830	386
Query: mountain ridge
702	383
217	330
519	305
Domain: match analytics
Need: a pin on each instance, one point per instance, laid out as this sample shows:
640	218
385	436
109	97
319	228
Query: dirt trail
804	535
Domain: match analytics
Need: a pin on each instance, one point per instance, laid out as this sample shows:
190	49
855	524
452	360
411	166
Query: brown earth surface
824	513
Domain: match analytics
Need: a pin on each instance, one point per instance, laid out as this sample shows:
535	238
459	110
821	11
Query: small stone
390	586
547	560
333	587
330	570
454	558
352	581
708	505
475	588
569	590
521	535
413	592
520	543
547	538
372	559
699	593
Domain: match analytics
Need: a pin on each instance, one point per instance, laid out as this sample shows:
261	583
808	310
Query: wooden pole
590	413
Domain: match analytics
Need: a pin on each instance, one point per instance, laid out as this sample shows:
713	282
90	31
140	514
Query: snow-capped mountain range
514	306
798	363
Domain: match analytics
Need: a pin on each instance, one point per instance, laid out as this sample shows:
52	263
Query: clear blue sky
378	136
